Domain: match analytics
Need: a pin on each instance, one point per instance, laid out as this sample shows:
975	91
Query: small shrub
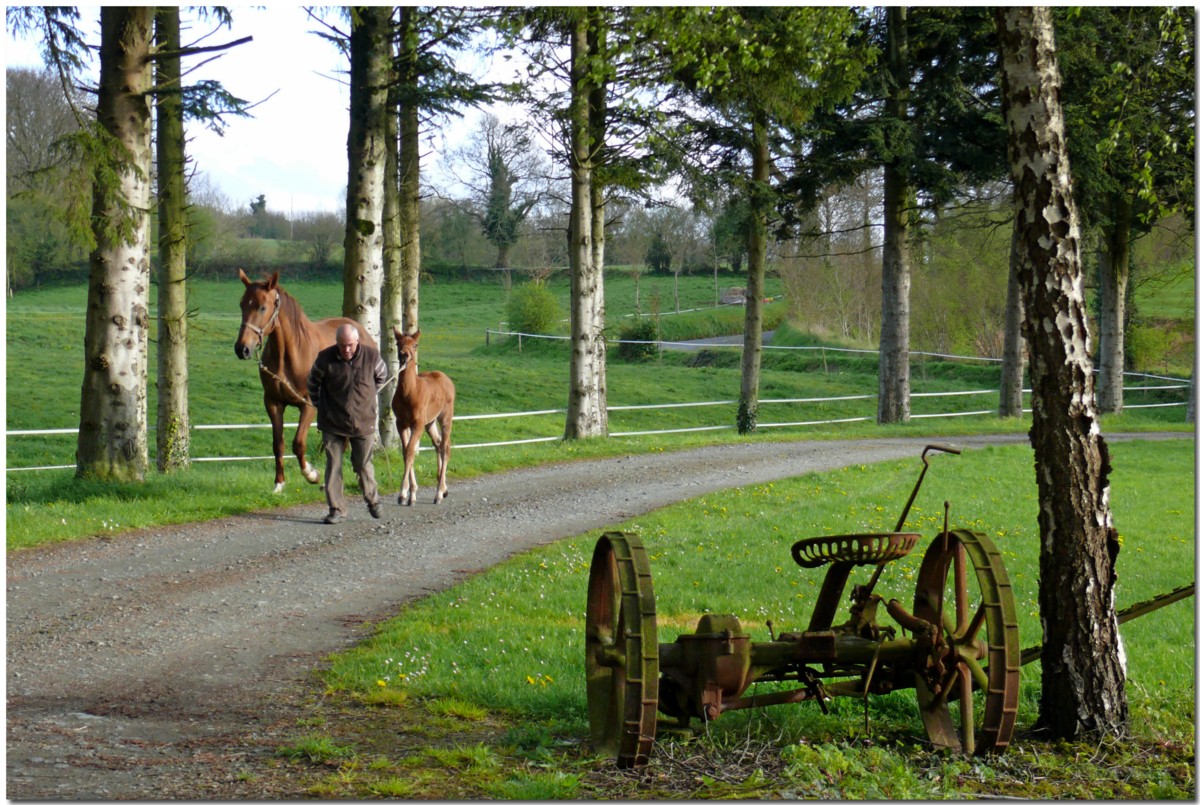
644	331
532	308
1145	347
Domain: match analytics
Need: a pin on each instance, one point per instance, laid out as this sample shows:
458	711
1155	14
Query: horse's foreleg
299	444
275	414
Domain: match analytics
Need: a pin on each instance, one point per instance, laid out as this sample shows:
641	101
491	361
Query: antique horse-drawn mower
958	646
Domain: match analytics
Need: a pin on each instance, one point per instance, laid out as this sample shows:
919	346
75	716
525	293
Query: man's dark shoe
334	517
375	510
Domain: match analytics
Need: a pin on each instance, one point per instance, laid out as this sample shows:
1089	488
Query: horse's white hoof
278	487
312	476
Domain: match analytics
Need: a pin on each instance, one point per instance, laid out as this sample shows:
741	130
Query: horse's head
406	347
260	313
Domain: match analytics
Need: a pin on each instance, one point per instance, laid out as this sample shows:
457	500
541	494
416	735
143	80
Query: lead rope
301	399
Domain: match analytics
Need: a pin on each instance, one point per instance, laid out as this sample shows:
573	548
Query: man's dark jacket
346	392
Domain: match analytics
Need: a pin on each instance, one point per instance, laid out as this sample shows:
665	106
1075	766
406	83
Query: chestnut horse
274	322
422	400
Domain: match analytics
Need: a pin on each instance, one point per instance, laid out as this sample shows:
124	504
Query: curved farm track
168	663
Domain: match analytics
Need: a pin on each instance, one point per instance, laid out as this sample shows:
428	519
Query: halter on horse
274	324
422	401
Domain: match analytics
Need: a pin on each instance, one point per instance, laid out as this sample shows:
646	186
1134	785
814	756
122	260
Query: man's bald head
347	340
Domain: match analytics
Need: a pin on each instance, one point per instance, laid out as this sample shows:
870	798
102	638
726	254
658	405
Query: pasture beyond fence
851	406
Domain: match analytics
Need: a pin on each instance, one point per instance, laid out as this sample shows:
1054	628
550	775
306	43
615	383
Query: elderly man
344	385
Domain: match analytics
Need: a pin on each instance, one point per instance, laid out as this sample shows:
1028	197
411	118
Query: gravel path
140	664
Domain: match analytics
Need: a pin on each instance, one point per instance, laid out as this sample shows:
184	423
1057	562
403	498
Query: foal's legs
443	452
409	439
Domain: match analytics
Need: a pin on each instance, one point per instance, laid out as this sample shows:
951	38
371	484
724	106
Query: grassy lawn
493	375
505	649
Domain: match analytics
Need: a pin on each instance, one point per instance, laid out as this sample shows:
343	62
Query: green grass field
509	642
492	374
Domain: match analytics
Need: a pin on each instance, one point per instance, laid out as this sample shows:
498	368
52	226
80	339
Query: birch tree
115	148
112	408
408	206
391	310
587	402
362	278
1083	677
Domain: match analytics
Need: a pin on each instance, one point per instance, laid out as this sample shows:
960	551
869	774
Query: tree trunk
502	259
173	434
112	409
1012	370
410	171
370	56
391	309
598	132
756	266
1083	679
1114	282
587	413
894	381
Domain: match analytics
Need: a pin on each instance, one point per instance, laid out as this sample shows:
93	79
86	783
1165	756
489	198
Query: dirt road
159	664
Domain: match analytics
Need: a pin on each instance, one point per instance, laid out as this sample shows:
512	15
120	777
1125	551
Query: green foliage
266	223
747	417
1128	99
38	244
643	330
1145	347
731	232
532	308
658	255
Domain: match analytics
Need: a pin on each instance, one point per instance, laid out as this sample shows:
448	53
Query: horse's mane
304	329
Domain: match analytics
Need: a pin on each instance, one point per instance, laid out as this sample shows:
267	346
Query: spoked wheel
622	650
968	680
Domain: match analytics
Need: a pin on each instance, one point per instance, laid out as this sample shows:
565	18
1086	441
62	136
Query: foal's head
260	312
406	347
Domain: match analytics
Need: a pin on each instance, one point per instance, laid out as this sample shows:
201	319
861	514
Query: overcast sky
293	150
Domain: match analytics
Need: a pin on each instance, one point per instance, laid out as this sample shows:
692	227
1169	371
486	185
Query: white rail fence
1170	384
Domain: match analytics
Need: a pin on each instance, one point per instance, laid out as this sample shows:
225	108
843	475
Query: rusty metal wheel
622	650
969	671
